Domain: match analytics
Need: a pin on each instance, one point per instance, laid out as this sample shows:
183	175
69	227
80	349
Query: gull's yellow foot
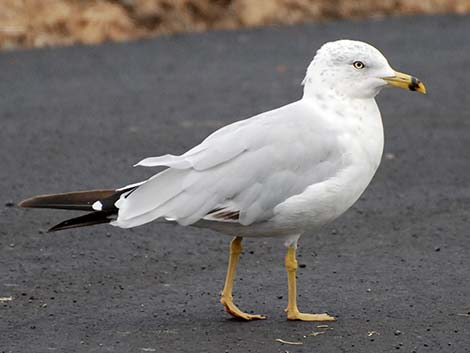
226	296
296	315
233	310
293	312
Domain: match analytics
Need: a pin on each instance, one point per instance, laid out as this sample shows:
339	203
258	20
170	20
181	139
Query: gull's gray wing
240	173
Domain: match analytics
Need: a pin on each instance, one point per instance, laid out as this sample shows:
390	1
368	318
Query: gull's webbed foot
233	310
292	312
226	297
296	315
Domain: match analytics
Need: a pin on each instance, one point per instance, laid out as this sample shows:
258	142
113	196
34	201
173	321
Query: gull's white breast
360	131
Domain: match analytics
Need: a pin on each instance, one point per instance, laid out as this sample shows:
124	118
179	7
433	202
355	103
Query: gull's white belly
321	203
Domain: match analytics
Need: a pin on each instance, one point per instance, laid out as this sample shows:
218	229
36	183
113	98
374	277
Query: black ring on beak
414	85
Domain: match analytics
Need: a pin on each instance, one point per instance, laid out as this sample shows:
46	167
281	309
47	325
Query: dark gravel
394	270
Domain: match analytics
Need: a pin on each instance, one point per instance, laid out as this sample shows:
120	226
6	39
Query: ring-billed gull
278	174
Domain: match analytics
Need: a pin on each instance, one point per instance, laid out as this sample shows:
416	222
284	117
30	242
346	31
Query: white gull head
349	69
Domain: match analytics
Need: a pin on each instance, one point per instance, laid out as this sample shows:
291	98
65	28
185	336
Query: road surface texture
394	269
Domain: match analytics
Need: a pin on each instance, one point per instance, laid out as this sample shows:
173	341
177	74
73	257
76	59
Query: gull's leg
226	298
293	312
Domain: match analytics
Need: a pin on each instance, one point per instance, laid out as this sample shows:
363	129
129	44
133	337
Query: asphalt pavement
394	269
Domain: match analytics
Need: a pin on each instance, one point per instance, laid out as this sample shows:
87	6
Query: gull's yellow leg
226	298
293	312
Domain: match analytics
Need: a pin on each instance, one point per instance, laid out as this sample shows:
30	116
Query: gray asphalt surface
394	270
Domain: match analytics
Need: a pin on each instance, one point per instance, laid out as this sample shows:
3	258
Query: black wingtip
79	200
59	226
27	203
52	229
90	219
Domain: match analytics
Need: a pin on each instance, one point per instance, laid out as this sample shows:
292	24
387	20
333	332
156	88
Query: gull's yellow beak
405	81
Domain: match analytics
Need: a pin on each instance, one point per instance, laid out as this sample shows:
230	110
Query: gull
278	174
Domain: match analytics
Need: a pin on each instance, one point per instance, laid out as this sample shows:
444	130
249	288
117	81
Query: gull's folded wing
238	174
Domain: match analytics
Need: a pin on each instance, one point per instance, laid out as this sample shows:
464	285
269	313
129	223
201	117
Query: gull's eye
358	65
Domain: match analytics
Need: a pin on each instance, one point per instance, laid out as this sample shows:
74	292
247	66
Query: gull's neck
358	117
315	86
326	95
